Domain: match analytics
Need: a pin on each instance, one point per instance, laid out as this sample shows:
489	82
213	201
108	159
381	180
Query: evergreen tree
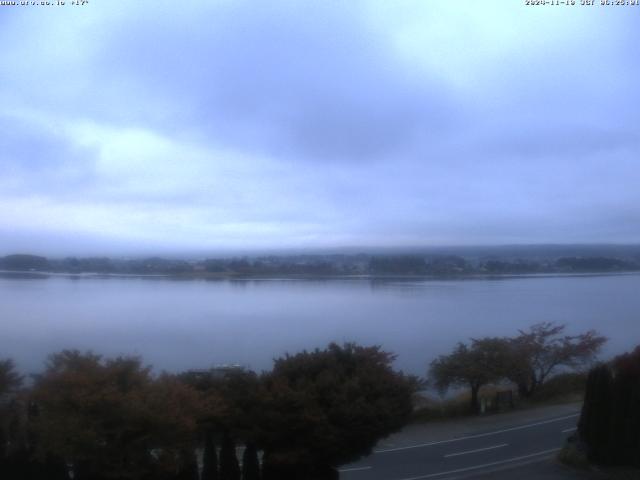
625	421
610	420
188	466
250	463
229	468
3	451
210	458
595	419
49	469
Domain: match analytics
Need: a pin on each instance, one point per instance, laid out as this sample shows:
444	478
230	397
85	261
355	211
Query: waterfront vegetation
527	360
100	418
113	418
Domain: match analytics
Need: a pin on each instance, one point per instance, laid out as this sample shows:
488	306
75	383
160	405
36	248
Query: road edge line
477	467
479	435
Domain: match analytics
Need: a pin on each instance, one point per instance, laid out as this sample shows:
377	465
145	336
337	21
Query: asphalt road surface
472	455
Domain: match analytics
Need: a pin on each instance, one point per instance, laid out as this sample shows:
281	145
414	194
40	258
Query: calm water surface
178	325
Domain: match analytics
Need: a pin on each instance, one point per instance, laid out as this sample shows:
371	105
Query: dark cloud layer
236	124
314	82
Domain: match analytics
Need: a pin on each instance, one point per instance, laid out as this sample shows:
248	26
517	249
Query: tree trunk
534	386
475	403
528	389
523	390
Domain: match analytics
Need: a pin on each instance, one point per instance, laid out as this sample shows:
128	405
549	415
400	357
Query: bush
430	409
562	386
442	411
329	407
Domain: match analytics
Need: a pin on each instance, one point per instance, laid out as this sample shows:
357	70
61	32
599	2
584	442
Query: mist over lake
177	325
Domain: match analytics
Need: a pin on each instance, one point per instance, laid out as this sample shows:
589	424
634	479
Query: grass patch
562	388
429	409
564	385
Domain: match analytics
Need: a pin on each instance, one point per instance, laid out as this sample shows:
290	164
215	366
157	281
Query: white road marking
354	469
479	435
566	430
477	467
476	450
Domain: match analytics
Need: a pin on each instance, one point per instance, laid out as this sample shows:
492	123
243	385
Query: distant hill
24	262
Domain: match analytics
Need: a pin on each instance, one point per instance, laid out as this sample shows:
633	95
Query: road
469	455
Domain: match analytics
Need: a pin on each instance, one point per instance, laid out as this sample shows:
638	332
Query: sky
164	126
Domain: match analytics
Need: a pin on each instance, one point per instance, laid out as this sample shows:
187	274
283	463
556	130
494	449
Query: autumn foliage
329	407
115	419
527	360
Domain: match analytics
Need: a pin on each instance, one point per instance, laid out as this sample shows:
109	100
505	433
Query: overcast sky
190	126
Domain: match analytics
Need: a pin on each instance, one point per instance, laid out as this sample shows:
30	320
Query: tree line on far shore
323	265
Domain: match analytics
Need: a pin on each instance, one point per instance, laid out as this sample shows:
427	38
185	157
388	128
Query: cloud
323	123
311	83
37	159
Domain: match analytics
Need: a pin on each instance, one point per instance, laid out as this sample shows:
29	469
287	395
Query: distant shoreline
370	277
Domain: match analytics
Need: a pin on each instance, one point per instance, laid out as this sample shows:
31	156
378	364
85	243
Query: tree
595	419
625	399
188	465
10	380
24	262
250	463
232	401
483	362
209	458
538	352
402	265
229	468
14	454
609	423
328	407
107	416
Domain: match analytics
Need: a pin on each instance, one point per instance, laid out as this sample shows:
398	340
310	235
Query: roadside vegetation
562	388
101	418
541	364
112	418
608	435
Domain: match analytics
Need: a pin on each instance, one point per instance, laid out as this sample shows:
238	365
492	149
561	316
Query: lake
182	324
